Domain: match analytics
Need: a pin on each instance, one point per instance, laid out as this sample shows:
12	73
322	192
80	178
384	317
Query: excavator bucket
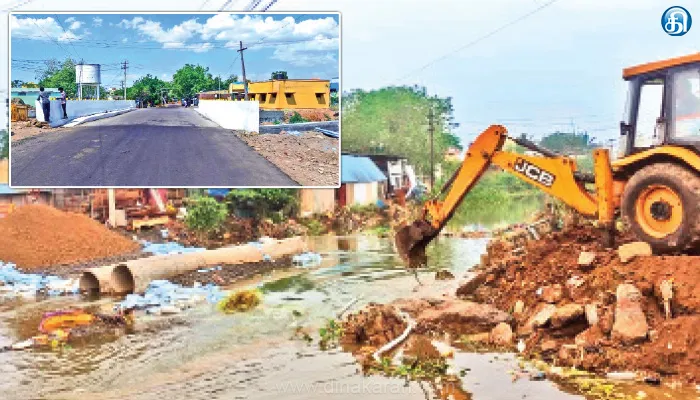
411	241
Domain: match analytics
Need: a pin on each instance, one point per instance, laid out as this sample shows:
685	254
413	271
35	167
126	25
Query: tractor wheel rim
659	211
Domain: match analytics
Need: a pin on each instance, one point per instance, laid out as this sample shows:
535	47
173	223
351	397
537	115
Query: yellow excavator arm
550	172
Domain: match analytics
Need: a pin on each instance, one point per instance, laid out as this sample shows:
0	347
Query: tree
59	74
4	145
283	73
147	88
191	79
568	142
394	120
223	83
16	83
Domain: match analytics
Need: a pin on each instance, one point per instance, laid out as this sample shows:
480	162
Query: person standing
45	103
63	102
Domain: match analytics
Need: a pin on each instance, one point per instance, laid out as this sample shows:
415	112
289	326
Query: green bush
297	118
206	215
264	203
4	145
314	226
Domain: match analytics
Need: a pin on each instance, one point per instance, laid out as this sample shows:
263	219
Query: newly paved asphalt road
153	147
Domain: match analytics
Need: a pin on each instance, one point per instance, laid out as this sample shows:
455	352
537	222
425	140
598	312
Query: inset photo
178	100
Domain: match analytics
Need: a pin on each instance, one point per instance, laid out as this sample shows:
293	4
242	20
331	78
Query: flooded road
203	354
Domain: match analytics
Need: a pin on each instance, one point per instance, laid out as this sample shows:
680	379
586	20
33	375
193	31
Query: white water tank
88	74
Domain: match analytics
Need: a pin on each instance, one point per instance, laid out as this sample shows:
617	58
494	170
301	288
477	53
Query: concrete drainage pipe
134	276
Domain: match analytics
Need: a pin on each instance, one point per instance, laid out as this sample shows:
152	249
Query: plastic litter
294	133
163	249
307	260
14	283
164	297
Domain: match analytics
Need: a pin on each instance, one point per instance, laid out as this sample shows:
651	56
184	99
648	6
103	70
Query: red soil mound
39	236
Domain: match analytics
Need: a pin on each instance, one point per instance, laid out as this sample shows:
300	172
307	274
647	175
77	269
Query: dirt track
311	159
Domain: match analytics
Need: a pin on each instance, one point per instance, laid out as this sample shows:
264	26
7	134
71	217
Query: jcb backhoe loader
654	184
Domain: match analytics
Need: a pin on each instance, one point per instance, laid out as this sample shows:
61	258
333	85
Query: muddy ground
228	274
311	158
543	297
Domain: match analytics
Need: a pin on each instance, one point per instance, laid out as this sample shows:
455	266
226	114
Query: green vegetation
57	74
242	301
263	203
412	369
497	197
296	118
330	334
568	142
4	145
283	73
334	99
206	215
192	79
314	227
394	120
148	89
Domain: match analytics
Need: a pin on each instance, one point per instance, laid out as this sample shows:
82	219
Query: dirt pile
310	158
37	236
577	303
313	115
374	326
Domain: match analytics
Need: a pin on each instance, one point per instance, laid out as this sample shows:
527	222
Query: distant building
361	182
453	154
29	95
286	93
335	85
10	198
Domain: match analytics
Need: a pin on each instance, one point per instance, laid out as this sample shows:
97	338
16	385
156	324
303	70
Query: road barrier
81	108
238	115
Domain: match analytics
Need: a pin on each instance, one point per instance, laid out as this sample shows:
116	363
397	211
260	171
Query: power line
50	38
481	38
65	32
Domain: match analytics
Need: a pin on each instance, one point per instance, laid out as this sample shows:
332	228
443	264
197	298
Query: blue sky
305	45
561	64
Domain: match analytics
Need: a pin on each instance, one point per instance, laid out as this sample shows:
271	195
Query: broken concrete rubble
567	314
629	251
630	322
552	294
501	335
586	258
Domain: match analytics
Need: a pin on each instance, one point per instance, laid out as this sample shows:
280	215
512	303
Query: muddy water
202	354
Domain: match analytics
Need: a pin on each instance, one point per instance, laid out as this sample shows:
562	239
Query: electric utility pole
431	131
125	66
245	81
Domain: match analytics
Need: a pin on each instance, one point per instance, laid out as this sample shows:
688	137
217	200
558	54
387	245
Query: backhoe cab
654	184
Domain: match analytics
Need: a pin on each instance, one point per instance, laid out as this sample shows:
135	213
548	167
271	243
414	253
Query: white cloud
97	22
307	42
75	25
172	38
125	40
44	29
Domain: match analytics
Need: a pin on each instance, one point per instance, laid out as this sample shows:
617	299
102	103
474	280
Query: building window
320	98
290	99
251	96
273	98
263	97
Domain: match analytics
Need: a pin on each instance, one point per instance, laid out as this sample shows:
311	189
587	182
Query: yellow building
288	93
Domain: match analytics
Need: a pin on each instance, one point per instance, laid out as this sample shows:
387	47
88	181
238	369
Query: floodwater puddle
205	354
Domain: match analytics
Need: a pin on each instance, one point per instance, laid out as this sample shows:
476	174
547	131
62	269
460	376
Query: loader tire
661	205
